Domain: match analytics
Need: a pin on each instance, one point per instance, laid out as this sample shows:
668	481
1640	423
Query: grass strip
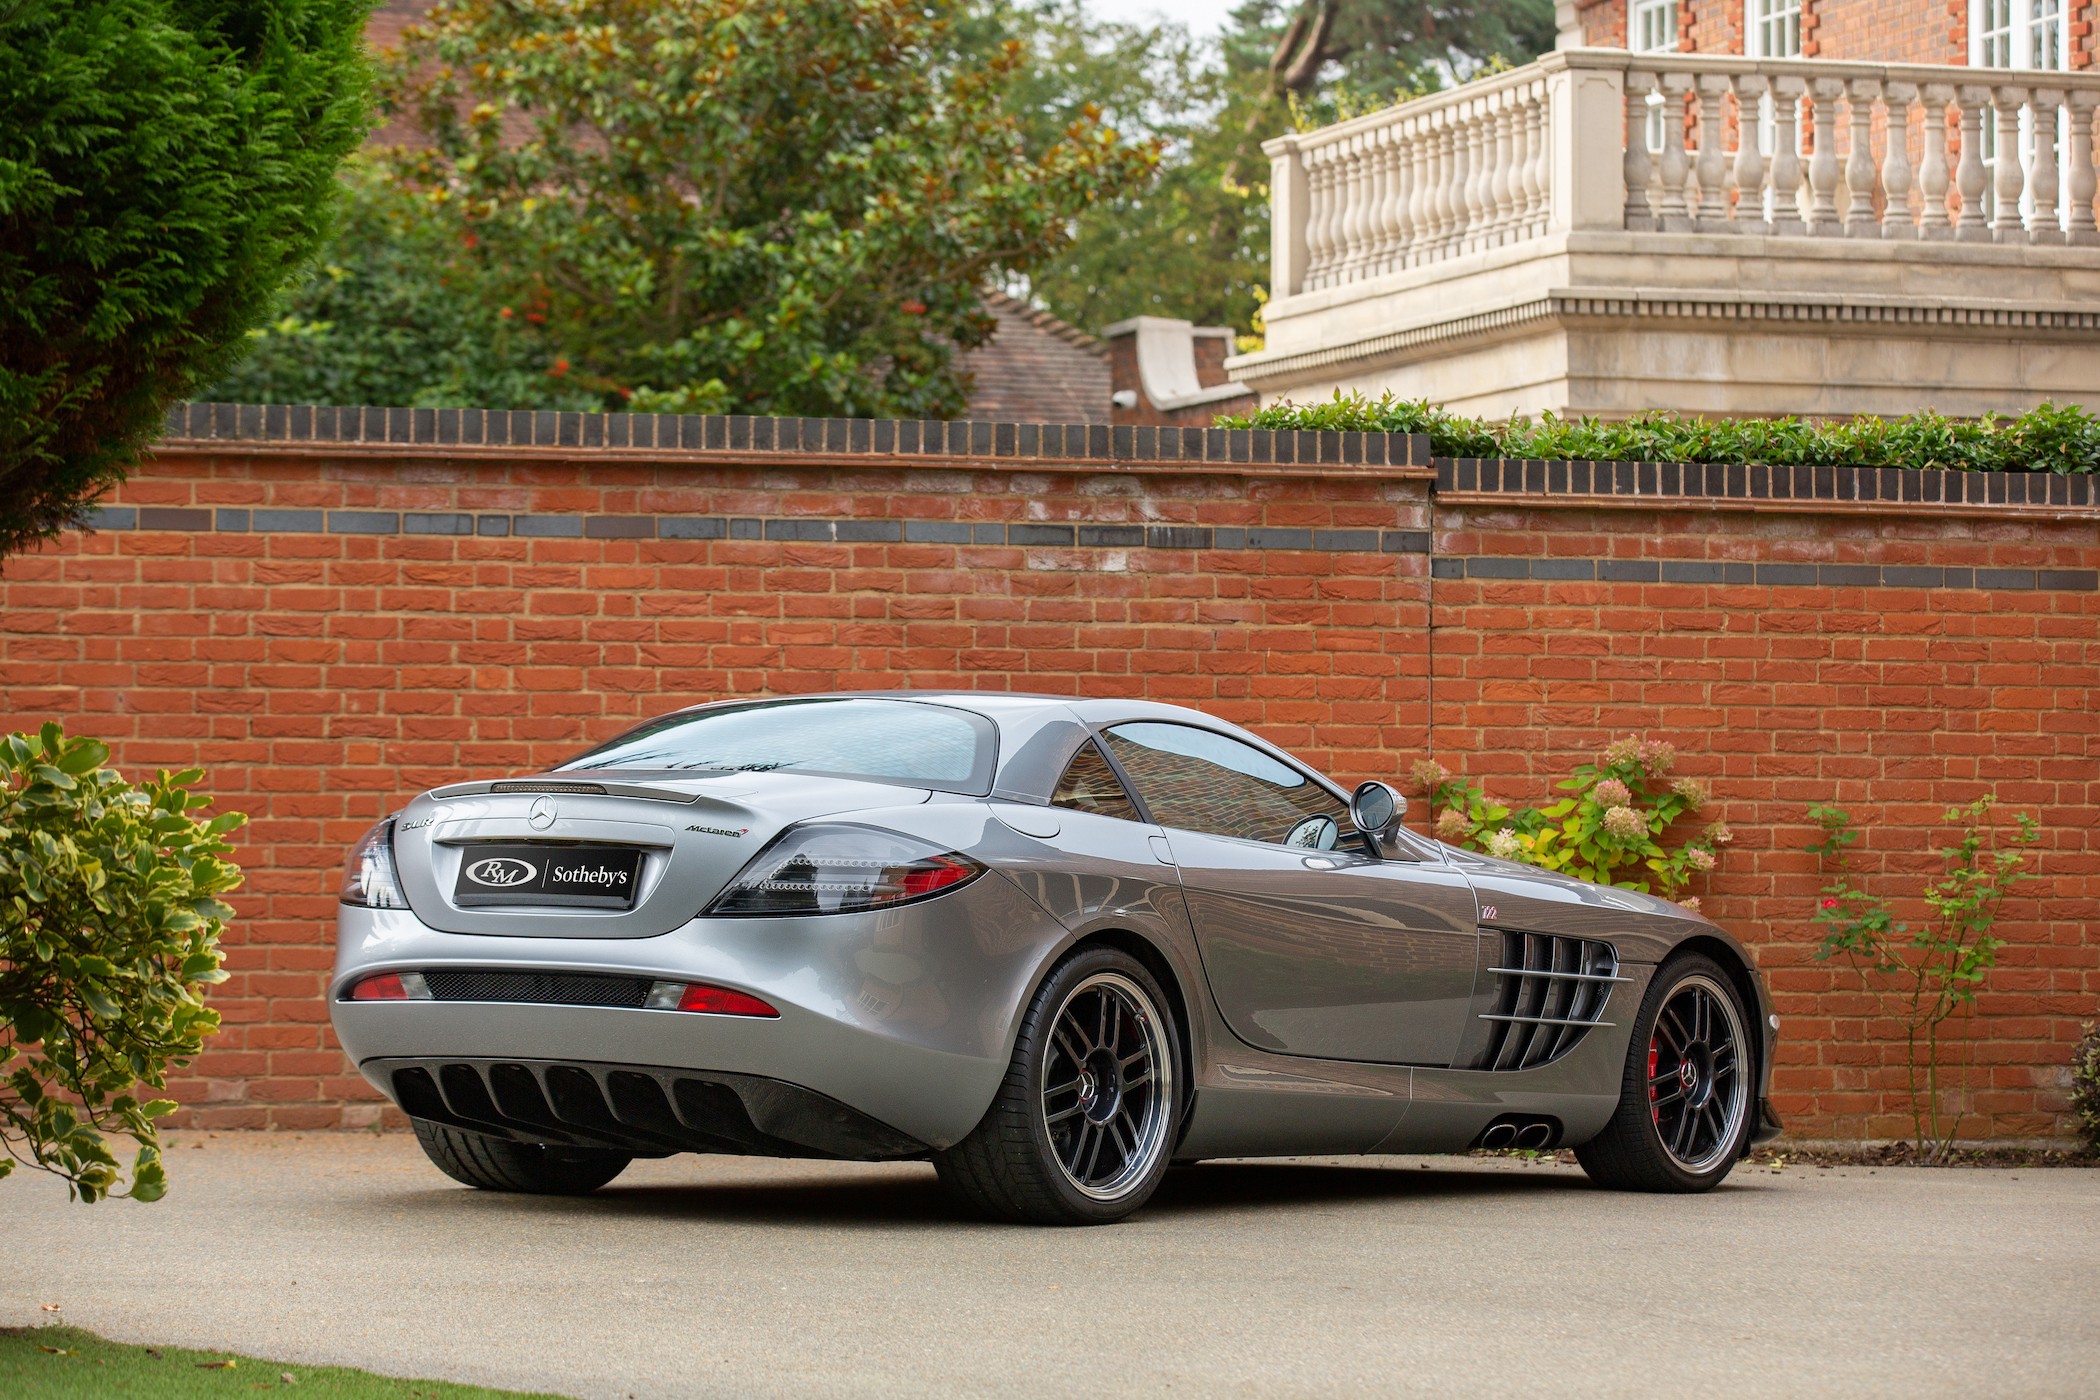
65	1362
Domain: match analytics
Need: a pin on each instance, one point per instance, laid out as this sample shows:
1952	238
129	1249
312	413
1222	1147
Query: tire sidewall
1668	979
1049	998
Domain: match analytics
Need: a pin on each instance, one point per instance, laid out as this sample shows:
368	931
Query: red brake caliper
1654	1054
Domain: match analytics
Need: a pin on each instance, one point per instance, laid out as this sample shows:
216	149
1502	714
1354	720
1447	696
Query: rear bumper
641	1109
904	1017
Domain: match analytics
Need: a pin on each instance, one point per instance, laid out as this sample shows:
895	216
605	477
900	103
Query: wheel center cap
1688	1076
1088	1090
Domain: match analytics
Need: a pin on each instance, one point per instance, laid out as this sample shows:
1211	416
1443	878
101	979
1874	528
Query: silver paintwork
1328	999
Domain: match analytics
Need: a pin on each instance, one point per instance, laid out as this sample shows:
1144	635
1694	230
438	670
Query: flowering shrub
1609	830
1928	975
109	933
2085	1087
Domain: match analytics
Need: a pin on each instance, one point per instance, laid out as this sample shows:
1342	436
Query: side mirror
1377	809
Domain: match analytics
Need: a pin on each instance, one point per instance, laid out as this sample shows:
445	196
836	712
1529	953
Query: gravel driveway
733	1276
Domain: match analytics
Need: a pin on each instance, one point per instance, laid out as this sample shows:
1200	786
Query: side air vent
1551	991
538	988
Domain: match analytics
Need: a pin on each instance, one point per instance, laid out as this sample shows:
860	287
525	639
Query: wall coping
421	434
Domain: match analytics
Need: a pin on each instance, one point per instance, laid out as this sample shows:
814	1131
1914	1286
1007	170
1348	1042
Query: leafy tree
779	205
164	164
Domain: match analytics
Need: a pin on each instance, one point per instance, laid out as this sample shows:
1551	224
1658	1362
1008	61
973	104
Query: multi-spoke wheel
1684	1104
1084	1121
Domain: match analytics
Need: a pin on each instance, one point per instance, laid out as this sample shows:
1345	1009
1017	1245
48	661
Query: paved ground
728	1276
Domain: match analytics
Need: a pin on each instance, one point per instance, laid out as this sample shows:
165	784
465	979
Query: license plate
592	877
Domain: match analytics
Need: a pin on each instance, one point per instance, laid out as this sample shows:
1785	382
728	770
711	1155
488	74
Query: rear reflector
710	1001
391	986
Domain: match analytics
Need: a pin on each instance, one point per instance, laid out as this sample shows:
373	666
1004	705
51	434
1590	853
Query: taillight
390	986
706	999
839	868
368	876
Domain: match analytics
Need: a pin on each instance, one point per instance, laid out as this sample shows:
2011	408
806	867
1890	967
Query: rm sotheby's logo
501	872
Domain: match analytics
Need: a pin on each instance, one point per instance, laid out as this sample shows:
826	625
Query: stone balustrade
1786	148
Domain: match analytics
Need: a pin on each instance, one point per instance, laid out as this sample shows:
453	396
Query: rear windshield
896	741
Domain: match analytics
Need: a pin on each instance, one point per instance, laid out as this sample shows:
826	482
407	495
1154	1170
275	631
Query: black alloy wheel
1684	1109
1084	1122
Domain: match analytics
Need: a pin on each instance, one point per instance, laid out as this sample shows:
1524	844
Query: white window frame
1651	27
2022	34
1761	18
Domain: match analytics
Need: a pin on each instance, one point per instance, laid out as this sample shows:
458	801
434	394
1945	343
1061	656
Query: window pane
1199	781
898	740
1090	785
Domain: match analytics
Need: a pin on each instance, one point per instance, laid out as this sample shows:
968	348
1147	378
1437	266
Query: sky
1203	17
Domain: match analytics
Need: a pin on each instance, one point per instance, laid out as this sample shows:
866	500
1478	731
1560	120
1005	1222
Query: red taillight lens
842	868
935	875
385	987
720	1001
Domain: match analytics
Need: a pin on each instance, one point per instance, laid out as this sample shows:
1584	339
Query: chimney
1171	374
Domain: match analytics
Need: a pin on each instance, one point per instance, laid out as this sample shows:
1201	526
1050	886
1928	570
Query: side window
1090	785
1199	781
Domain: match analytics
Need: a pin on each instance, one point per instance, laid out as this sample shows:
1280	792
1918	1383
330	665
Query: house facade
1699	207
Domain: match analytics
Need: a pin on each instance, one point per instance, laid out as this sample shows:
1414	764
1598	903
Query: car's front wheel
1685	1099
1083	1125
497	1164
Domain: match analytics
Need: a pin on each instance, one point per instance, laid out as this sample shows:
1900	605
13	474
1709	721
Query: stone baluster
1501	195
1363	202
1474	191
2085	181
1823	161
1973	224
1333	209
1711	169
1541	177
1859	160
1443	212
1523	180
1349	225
1896	219
1315	218
1786	153
1392	215
2006	225
1670	211
1451	198
2044	221
1640	218
1421	191
1934	218
1749	161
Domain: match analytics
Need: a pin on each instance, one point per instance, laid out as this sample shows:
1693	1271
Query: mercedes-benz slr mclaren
1052	946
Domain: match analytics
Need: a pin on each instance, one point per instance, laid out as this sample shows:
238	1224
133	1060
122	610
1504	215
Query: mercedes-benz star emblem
542	813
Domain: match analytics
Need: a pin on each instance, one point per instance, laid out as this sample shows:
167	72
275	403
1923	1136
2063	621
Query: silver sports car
1052	945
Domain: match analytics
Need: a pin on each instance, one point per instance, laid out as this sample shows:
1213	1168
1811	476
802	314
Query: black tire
1013	1165
496	1164
1687	1097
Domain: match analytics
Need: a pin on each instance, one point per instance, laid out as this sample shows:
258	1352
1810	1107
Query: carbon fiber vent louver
1552	990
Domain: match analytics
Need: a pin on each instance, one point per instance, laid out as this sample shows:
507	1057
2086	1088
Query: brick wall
1866	31
331	625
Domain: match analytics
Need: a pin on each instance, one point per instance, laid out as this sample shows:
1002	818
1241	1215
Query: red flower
915	307
506	313
560	367
1830	904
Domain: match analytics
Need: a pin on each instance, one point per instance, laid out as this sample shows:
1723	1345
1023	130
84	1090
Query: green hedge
2049	438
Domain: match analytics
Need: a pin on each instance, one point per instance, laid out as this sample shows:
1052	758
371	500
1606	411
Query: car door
1312	945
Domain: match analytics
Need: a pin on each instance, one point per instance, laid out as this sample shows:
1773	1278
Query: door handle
1162	851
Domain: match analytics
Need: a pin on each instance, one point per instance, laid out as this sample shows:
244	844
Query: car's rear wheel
1685	1098
1083	1125
496	1164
